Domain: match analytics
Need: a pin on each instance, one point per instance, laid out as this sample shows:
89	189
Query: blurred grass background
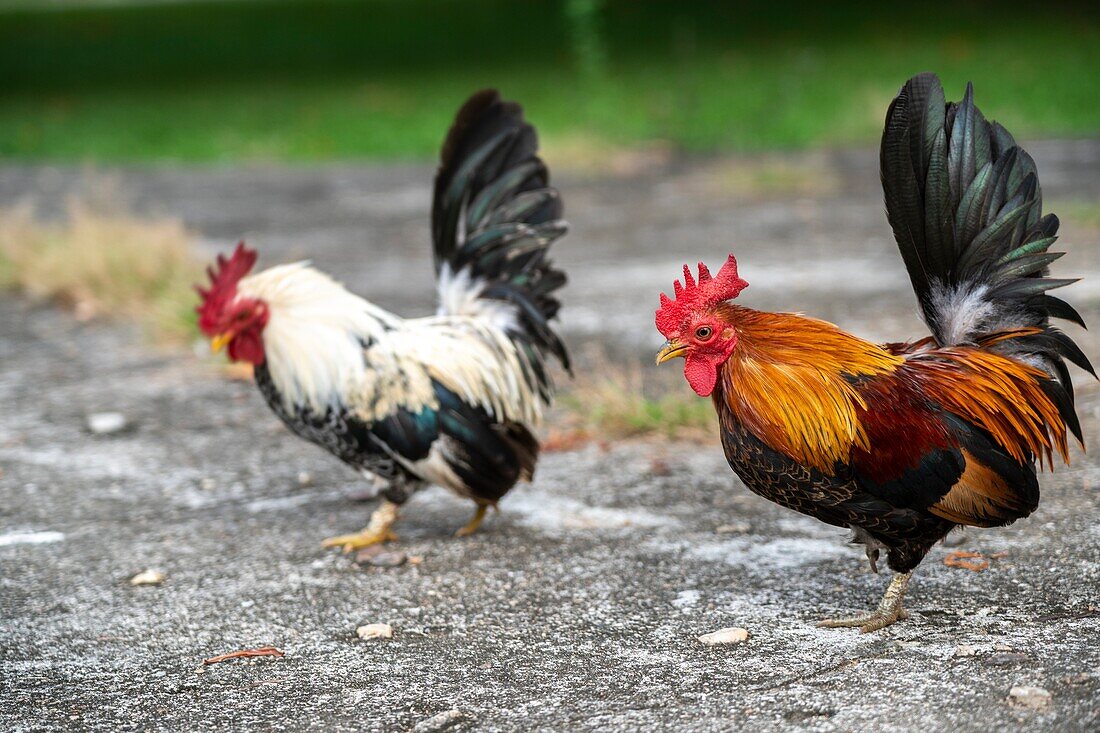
306	80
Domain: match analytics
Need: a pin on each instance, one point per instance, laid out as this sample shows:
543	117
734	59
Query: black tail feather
966	208
495	215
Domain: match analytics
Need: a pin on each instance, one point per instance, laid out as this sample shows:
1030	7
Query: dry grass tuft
613	400
101	261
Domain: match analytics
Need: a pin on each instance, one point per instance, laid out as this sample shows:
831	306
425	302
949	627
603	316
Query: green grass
700	80
612	400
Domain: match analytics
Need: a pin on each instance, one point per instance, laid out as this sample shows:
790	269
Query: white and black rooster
450	399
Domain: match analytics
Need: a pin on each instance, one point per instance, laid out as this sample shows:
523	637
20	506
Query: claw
866	622
359	540
377	531
889	611
474	523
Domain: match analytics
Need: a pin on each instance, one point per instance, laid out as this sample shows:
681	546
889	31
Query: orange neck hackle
790	383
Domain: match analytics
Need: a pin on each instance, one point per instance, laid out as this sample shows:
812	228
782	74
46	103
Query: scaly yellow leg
474	523
889	610
378	530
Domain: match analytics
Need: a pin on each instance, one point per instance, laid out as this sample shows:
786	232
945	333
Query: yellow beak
218	342
671	350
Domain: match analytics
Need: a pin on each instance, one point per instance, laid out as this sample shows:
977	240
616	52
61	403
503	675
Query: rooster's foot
888	612
866	622
470	527
377	531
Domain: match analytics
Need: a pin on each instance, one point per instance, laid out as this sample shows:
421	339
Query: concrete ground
578	606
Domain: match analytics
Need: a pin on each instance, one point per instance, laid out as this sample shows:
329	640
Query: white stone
375	631
736	528
148	577
105	423
732	635
440	722
1029	696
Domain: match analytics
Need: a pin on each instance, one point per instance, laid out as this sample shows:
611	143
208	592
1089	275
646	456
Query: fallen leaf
265	651
963	560
565	440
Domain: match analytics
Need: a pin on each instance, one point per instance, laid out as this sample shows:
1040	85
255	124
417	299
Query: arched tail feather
494	217
965	205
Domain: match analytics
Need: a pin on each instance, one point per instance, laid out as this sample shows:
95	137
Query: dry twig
266	651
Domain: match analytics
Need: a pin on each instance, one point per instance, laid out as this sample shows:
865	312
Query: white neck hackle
315	332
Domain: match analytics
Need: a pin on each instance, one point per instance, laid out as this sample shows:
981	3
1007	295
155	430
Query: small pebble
380	557
367	555
965	650
375	631
737	528
659	467
148	577
440	721
732	635
208	484
1029	696
305	479
105	423
368	552
387	559
1005	659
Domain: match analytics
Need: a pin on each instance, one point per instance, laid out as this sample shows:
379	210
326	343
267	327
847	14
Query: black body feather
488	456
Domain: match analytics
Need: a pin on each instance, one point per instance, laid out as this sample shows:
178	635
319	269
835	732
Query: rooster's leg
474	523
889	611
377	531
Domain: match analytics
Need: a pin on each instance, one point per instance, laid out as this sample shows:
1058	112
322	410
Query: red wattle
248	346
701	373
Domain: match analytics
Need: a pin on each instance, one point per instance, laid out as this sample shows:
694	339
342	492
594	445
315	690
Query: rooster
451	399
903	442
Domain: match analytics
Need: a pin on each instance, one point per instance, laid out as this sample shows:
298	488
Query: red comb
223	286
693	296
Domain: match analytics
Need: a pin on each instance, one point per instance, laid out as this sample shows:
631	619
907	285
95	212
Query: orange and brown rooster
904	442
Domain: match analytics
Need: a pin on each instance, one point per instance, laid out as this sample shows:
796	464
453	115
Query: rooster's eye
703	332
